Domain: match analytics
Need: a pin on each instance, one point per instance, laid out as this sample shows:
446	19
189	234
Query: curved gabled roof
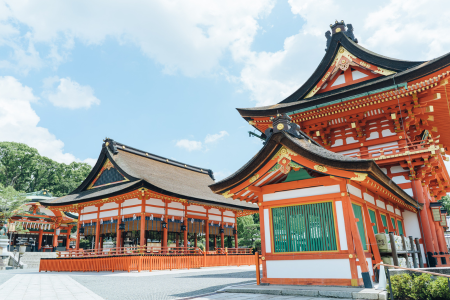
316	154
406	71
143	169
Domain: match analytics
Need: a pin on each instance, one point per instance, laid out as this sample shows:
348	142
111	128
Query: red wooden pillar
68	239
222	239
177	240
236	235
97	235
207	235
215	242
165	233
55	240
426	228
77	243
40	239
142	236
118	231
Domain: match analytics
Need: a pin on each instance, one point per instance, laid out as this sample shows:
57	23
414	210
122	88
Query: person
189	244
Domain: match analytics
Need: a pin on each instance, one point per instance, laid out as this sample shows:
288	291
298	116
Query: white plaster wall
228	213
89	209
155	210
350	140
349	151
397	169
382	145
398	212
400	179
381	204
314	191
131	202
338	142
215	211
341	225
48	212
176	205
109	213
369	198
174	212
387	132
373	135
196	208
354	191
197	214
215	218
267	231
154	201
412	227
89	217
228	220
132	210
369	261
390	208
109	206
309	268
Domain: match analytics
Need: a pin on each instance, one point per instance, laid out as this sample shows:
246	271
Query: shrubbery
424	287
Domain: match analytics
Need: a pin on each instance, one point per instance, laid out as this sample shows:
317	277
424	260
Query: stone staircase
32	259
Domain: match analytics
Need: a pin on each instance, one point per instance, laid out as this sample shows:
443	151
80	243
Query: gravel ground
163	286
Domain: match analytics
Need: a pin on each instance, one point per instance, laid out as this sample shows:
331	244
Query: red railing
144	262
145	250
388	151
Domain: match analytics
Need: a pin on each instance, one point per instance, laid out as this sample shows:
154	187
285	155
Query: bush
424	287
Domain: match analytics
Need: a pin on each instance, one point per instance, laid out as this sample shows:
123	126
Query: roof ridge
114	146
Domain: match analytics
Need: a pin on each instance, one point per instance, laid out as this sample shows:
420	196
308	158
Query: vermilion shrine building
135	198
357	150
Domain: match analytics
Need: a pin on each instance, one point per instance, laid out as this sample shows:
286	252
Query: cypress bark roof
142	169
406	71
316	154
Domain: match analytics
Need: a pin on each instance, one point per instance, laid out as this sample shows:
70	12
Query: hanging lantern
444	218
181	219
81	230
58	231
183	228
192	220
134	217
121	226
162	218
173	219
436	211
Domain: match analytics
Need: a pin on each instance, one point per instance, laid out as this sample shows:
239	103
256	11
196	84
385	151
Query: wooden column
215	242
142	236
423	214
207	231
222	235
68	239
118	231
185	223
195	240
236	234
55	240
40	239
177	240
371	234
97	228
77	244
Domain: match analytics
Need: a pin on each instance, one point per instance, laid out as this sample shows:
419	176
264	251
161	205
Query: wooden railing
388	151
143	262
135	250
144	250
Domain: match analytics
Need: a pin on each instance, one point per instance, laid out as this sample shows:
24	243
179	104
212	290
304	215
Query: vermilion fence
143	262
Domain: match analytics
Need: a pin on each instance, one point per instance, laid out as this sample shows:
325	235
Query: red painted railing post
258	279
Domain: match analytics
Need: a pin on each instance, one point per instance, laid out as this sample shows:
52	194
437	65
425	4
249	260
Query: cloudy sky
166	76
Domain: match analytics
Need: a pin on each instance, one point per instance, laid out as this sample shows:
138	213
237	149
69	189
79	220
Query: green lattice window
358	214
393	223
304	228
373	219
384	221
400	227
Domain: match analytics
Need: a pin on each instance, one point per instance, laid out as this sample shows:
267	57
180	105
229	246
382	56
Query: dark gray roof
143	169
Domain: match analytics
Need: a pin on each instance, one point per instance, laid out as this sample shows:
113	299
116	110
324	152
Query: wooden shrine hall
136	199
358	150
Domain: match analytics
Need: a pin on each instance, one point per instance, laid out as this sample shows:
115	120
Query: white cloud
187	36
19	122
189	145
69	93
198	145
211	138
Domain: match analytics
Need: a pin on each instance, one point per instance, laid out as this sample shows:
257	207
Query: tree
11	202
248	231
24	169
446	202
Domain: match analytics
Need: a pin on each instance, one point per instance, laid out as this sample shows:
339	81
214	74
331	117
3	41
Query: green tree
248	232
446	202
24	169
11	202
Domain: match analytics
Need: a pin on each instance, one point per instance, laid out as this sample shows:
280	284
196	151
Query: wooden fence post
258	279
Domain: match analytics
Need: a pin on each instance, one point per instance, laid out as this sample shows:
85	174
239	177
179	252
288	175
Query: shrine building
135	198
357	150
41	228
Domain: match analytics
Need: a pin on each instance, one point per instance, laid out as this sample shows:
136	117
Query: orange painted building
360	148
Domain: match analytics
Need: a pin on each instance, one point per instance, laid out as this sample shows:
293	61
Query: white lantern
134	217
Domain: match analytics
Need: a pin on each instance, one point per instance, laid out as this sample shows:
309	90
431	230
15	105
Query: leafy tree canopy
248	232
22	168
446	202
11	202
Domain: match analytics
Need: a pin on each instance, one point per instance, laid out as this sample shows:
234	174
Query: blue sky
166	76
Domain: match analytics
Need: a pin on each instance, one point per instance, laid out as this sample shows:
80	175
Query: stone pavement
44	286
246	296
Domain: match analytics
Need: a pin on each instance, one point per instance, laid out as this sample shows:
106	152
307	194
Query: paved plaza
176	284
244	296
